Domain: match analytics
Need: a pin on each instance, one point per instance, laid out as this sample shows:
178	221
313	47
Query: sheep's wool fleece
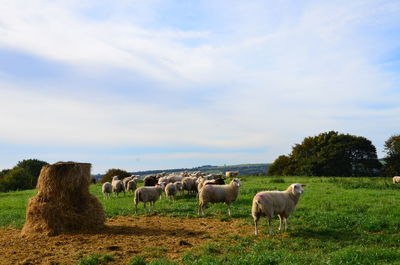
63	203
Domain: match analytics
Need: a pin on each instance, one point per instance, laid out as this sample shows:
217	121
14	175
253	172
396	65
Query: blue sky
164	84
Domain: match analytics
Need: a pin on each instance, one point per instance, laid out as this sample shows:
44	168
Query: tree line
334	154
327	154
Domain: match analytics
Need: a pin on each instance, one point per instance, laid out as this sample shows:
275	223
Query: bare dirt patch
123	238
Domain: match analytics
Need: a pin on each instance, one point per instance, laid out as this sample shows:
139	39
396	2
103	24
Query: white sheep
148	194
117	186
271	203
125	181
171	190
189	184
231	174
396	179
179	186
219	193
106	189
174	178
131	186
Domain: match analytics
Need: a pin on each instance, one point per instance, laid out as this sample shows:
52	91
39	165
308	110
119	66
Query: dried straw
63	203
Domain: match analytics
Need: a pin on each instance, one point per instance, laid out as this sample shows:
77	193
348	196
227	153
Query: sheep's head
297	189
236	182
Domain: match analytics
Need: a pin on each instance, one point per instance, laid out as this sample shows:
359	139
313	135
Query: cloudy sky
163	84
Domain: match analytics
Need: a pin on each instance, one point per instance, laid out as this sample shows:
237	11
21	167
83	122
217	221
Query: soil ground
123	238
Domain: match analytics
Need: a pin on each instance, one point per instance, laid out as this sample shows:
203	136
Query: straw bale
63	203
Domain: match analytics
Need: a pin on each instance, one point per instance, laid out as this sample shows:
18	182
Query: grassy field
337	221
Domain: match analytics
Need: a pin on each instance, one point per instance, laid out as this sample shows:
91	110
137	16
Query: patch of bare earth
123	238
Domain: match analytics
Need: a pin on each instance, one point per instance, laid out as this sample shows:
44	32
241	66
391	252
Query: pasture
337	221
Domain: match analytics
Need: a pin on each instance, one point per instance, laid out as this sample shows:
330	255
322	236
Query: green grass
337	221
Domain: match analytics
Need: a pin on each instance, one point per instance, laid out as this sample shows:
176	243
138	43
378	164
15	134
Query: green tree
33	167
392	158
15	179
280	167
332	154
114	172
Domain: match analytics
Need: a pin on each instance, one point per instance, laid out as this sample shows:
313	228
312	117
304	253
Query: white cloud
283	72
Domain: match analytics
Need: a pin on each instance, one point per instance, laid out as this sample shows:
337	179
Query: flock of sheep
209	189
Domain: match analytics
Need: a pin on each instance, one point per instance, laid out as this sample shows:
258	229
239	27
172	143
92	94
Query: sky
149	84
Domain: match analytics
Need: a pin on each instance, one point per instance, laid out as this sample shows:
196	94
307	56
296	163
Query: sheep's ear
303	185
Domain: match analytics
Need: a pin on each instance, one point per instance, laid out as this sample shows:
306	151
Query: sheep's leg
136	204
256	218
145	210
201	209
269	225
286	223
280	222
229	210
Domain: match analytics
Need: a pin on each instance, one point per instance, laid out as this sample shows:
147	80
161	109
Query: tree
32	167
280	167
331	154
392	159
115	172
15	179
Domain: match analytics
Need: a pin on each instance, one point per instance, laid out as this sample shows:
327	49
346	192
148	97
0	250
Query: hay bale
63	203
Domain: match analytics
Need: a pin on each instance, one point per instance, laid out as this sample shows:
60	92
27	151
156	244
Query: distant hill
244	169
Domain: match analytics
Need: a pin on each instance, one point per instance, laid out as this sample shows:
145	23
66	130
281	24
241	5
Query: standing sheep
189	184
396	179
125	181
281	203
219	193
131	186
117	186
171	190
106	189
150	180
148	194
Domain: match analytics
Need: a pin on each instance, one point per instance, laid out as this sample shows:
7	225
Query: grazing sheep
281	203
219	193
106	189
117	186
150	180
396	179
148	194
170	190
131	186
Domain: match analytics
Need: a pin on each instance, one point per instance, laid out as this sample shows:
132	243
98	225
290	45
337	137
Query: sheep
148	194
396	179
125	181
117	186
189	184
150	180
106	189
174	178
231	174
281	203
170	190
179	186
131	186
219	193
